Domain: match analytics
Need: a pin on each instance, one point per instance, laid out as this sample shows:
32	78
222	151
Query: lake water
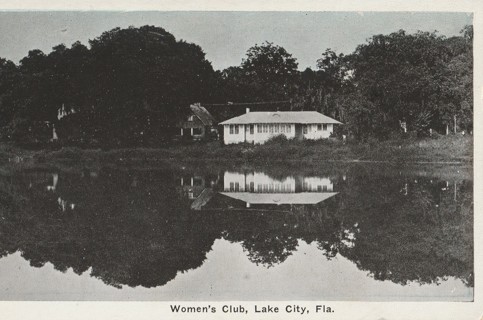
237	232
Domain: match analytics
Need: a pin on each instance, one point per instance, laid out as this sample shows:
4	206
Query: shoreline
451	150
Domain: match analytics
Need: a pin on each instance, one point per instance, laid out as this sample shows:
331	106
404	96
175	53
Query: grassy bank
442	149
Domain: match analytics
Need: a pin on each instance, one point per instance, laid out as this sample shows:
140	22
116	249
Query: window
232	128
197	131
276	128
191	118
324	188
252	186
237	186
265	128
282	128
271	128
319	127
289	128
186	180
237	129
305	129
325	127
259	127
232	186
252	128
259	187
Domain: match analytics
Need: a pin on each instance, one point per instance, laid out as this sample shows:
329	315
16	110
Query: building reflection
142	228
259	190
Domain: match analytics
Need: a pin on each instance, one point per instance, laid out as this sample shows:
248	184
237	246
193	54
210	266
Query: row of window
279	187
234	129
263	128
320	127
275	128
235	187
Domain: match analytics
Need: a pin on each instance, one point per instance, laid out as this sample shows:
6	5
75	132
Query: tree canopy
133	85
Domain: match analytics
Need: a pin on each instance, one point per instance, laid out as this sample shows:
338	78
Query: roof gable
304	117
203	115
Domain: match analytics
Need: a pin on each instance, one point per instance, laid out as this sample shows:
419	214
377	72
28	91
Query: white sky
224	36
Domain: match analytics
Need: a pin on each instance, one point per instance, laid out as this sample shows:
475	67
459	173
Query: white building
258	127
259	188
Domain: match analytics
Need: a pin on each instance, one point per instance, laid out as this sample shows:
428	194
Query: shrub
279	139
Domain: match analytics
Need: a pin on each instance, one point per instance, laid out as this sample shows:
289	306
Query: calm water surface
237	233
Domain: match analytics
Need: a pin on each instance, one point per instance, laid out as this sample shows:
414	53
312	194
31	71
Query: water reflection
257	188
143	227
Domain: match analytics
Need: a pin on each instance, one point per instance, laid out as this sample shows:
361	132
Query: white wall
261	137
233	138
313	133
261	183
234	181
317	184
256	137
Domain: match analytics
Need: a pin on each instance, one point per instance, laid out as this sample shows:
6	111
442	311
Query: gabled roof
304	117
203	115
202	199
281	198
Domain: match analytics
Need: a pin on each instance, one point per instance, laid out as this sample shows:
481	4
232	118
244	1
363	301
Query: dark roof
203	115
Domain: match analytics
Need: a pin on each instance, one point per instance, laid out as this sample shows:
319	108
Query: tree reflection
128	235
136	228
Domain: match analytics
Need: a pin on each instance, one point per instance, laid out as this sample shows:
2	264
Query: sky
224	36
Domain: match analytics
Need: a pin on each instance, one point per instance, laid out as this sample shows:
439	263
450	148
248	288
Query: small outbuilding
199	124
258	127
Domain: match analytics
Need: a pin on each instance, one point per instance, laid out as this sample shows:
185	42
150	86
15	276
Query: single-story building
257	188
199	124
258	127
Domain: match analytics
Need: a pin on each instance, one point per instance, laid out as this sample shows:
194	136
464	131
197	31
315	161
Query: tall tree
267	73
403	75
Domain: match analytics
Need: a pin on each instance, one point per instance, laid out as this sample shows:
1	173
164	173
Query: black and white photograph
188	157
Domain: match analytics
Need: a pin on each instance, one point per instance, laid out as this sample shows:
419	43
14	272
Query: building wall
317	184
259	182
236	136
234	182
188	128
194	123
191	132
266	133
262	137
313	132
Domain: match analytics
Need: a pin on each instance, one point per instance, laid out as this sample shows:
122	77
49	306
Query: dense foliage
402	227
132	86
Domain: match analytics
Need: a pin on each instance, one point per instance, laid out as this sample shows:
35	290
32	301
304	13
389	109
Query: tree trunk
454	124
